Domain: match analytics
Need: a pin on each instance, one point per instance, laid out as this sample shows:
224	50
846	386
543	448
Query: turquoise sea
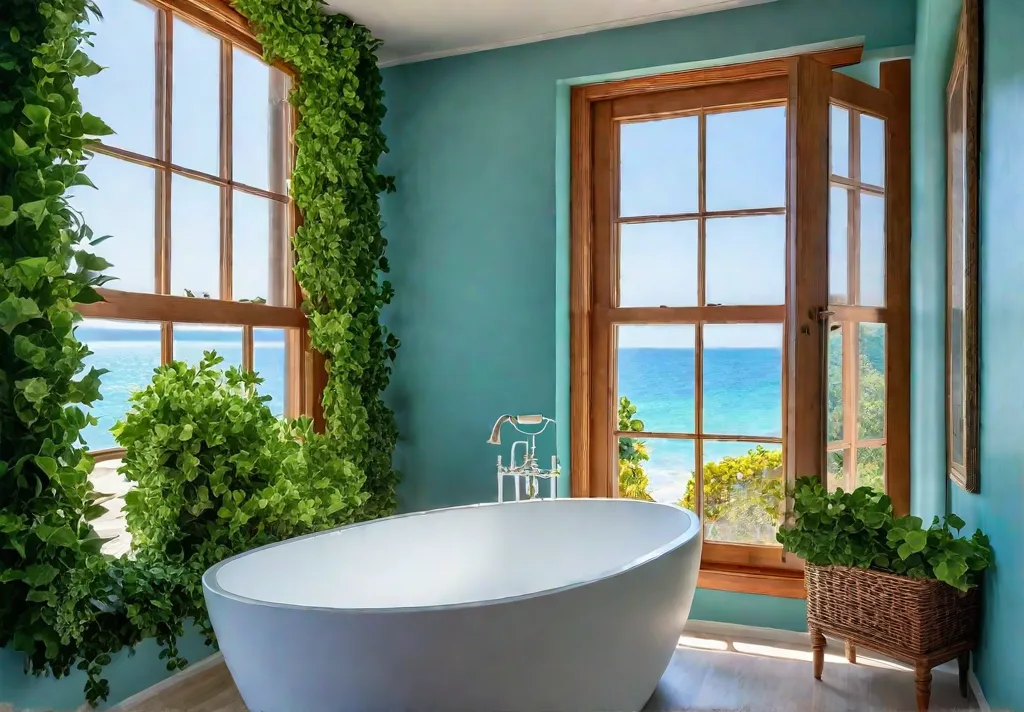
742	388
131	354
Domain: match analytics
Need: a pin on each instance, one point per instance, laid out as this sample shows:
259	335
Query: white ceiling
416	30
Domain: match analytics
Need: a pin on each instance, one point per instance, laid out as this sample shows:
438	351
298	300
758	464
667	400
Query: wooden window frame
304	370
808	85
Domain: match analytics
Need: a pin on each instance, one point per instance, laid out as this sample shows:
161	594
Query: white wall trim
979	696
574	31
140	698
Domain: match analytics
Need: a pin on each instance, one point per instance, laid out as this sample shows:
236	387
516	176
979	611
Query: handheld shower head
495	438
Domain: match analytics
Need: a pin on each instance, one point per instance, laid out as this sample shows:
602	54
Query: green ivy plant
62	602
858	529
339	247
216	473
47	546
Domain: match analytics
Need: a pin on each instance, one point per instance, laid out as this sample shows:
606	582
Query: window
192	187
704	332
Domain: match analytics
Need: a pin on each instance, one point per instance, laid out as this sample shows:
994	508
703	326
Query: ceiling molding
575	31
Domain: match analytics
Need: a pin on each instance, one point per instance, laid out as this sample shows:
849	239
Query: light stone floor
707	672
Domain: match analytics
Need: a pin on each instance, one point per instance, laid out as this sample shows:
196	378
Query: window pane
835	383
840	141
746	260
259	256
872	150
746	159
658	171
195	238
743	379
871	382
656	376
259	133
192	340
871	468
124	93
838	242
195	137
658	264
744	493
129	350
872	250
123	206
836	462
657	468
269	362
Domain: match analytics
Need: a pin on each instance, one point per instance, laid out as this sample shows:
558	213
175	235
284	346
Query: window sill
743	579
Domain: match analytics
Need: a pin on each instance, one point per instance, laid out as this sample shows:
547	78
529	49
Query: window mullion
226	141
698	346
808	126
164	87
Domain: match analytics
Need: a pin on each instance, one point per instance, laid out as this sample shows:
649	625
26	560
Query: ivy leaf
36	210
916	541
22	149
47	464
82	66
94	126
30	270
904	551
38	115
15	311
15	34
35	390
7	212
38	575
955	522
29	352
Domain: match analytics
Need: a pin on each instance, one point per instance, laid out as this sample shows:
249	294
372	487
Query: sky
123	95
745	163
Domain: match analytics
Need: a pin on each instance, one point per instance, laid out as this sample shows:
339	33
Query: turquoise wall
478	232
128	675
997	509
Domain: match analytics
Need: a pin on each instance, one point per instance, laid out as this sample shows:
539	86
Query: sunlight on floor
785	652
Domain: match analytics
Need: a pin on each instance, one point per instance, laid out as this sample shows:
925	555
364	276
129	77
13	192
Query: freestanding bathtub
572	604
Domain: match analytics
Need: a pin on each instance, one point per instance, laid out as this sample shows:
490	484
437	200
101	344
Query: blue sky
124	206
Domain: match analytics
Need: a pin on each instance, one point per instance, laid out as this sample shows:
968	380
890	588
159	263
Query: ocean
742	388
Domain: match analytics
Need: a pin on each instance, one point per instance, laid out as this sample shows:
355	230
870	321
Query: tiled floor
707	672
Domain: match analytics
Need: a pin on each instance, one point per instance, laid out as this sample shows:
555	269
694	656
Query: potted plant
884	582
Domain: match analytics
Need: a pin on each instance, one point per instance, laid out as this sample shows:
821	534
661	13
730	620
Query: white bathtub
573	604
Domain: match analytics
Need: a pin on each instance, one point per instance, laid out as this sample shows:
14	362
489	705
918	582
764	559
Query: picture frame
963	104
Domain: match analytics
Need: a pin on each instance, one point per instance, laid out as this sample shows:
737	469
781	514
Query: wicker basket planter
920	622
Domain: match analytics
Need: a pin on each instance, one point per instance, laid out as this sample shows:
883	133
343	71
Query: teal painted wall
997	509
128	675
933	57
478	232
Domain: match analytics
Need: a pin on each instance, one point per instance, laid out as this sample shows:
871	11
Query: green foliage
339	247
858	529
215	473
48	550
743	495
633	481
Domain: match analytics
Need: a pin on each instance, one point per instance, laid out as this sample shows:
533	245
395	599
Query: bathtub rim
694	530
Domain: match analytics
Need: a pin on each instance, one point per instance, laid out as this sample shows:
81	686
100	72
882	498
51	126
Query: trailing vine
340	248
63	603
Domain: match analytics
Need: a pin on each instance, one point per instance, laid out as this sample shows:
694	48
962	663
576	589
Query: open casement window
193	190
702	321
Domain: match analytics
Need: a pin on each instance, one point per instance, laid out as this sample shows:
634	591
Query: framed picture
963	103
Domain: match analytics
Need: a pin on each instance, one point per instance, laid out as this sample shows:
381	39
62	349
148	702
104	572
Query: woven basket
888	613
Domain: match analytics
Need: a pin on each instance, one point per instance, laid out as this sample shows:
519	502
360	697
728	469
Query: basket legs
851	653
923	680
818	645
964	663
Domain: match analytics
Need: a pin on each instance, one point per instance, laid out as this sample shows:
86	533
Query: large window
737	303
192	189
